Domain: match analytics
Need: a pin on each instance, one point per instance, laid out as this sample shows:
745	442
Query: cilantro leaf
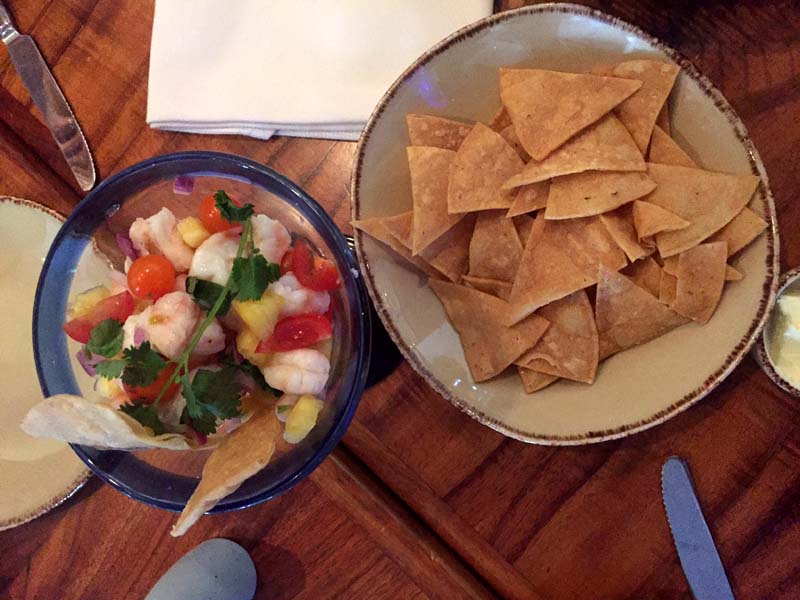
205	293
143	364
146	414
105	339
252	275
110	369
210	396
255	373
229	211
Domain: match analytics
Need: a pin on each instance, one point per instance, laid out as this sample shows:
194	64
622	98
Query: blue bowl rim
363	307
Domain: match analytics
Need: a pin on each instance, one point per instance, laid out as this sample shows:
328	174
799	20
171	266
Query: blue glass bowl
79	258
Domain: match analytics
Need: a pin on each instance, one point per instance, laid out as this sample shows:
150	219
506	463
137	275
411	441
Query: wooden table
419	500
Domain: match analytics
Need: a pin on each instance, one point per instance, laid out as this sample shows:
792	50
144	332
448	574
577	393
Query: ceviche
217	335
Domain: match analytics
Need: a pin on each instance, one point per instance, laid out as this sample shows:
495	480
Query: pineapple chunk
246	342
85	301
192	231
260	316
107	388
302	418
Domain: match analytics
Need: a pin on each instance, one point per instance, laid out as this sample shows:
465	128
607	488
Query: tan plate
35	474
636	389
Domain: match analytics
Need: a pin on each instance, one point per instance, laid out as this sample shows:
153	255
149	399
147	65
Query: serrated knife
698	554
47	97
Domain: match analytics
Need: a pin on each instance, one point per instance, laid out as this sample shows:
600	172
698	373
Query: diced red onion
87	363
126	245
183	185
139	336
201	438
247	383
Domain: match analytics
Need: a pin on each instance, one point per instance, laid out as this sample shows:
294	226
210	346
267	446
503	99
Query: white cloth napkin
309	68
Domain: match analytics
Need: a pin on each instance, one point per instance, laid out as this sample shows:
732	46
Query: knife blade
696	549
47	97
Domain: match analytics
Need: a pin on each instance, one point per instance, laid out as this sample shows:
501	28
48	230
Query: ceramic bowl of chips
256	458
579	219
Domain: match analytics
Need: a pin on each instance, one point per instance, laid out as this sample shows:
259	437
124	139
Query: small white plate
35	474
636	389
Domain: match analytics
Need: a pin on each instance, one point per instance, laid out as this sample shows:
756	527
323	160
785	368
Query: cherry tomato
210	216
151	277
313	271
286	262
118	307
298	331
148	393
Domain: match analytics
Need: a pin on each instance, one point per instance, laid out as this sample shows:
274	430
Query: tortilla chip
239	456
663	120
481	165
429	176
495	287
524	224
701	277
510	136
666	151
560	257
627	315
706	199
639	112
534	381
77	420
569	347
667	289
646	273
449	254
650	219
549	107
619	224
743	229
377	228
604	146
529	198
495	249
436	132
732	274
594	193
500	120
489	346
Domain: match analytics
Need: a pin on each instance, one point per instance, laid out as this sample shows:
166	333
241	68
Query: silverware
696	550
49	100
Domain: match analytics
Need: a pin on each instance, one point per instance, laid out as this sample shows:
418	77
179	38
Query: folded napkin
309	68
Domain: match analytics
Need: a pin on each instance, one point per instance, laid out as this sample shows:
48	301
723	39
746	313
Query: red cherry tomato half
287	261
151	277
210	216
313	271
298	331
118	307
148	393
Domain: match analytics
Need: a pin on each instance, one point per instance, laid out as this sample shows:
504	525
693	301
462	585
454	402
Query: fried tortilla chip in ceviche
217	318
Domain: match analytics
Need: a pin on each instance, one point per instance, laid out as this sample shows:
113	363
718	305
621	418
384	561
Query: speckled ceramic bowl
636	389
788	280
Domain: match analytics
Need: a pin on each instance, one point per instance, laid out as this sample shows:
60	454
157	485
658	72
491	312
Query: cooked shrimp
168	324
299	299
303	371
212	340
159	234
271	238
213	259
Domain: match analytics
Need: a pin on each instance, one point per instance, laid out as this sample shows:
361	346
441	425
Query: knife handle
7	30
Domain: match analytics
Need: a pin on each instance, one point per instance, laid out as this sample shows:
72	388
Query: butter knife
698	554
48	99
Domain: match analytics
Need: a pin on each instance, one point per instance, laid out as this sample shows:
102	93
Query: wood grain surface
422	501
